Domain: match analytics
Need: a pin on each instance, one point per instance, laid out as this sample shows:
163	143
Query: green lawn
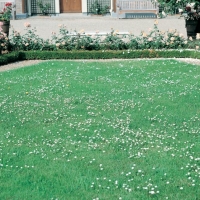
89	130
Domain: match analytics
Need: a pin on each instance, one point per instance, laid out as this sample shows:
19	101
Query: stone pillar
21	9
24	7
84	6
29	7
57	6
113	4
18	6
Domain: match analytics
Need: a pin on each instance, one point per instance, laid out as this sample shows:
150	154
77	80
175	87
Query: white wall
57	6
84	6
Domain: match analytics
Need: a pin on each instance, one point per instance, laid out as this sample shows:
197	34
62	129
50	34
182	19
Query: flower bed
79	45
66	40
5	14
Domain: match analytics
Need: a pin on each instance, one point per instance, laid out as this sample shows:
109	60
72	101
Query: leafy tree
170	6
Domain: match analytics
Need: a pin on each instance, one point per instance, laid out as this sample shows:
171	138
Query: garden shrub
3	60
101	54
108	54
29	41
78	45
8	58
65	40
113	41
4	41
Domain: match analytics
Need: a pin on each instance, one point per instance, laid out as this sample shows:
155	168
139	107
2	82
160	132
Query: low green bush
103	54
65	40
69	41
108	54
8	58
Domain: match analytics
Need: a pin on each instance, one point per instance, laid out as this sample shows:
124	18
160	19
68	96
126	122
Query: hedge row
47	55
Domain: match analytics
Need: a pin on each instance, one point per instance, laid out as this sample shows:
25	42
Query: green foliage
98	9
194	44
106	54
157	39
6	12
78	45
29	41
113	41
4	42
112	130
102	54
8	58
66	40
74	41
44	7
171	6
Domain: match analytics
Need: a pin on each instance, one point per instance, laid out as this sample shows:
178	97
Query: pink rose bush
79	40
6	13
4	41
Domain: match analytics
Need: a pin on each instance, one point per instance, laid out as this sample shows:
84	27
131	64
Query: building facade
60	6
26	8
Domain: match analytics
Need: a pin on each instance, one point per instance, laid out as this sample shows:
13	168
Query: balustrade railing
136	5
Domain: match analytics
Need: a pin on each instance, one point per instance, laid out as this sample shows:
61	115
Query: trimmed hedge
46	55
9	58
128	54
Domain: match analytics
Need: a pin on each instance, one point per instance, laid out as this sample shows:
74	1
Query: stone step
140	16
135	15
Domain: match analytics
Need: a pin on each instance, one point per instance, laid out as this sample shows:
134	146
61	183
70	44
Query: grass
100	130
